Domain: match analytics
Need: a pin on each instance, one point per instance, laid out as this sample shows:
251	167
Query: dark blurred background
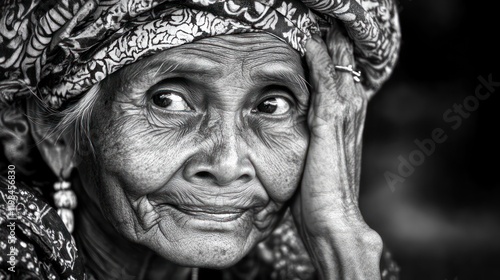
443	220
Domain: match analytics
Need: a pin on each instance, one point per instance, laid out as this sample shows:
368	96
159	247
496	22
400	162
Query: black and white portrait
231	139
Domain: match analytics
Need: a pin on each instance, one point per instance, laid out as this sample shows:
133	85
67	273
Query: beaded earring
65	201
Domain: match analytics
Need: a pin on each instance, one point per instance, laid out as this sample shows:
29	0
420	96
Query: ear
55	148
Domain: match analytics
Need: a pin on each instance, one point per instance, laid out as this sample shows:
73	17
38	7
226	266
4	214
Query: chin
206	250
195	242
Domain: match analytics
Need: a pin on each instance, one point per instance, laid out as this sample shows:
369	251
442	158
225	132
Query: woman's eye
170	101
273	106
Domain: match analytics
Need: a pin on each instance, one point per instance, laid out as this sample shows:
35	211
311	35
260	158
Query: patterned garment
58	49
34	243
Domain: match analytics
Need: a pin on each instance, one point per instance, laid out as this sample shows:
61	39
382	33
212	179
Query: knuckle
340	106
353	104
358	103
327	84
373	240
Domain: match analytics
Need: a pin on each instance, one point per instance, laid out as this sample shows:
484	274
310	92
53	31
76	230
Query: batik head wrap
58	49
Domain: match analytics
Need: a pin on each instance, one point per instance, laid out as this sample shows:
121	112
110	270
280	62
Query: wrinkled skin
339	242
203	177
202	180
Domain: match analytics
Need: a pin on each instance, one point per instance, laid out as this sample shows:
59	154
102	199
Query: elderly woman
186	130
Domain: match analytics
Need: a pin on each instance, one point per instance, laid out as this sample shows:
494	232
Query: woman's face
198	148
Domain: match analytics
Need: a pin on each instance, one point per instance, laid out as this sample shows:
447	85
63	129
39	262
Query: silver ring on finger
356	75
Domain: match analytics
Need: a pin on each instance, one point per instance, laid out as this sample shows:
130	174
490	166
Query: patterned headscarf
58	49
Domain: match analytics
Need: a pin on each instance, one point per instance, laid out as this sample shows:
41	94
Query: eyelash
166	91
272	91
285	93
163	118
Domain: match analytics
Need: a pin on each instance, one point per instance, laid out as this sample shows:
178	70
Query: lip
211	213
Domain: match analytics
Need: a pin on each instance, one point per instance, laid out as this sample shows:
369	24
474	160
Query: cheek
133	158
134	155
279	159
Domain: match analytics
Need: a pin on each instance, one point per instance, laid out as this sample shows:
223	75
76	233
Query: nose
221	160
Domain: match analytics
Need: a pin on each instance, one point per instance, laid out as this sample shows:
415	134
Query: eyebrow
283	76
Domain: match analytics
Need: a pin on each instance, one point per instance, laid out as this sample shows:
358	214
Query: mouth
211	213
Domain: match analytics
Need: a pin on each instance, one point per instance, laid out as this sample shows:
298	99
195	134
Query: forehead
249	52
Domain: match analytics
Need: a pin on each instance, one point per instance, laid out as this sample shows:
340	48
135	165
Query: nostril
204	175
220	180
245	177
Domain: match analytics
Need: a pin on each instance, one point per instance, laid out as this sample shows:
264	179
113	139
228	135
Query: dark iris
269	106
162	99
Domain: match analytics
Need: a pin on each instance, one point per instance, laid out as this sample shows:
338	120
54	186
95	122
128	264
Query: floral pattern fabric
34	243
58	49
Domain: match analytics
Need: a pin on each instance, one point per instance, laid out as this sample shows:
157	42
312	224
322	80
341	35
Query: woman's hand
326	211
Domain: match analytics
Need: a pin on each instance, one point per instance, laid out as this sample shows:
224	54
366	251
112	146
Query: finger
321	68
341	49
342	53
325	111
333	116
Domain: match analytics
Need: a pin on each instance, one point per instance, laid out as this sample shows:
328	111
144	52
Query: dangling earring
65	202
